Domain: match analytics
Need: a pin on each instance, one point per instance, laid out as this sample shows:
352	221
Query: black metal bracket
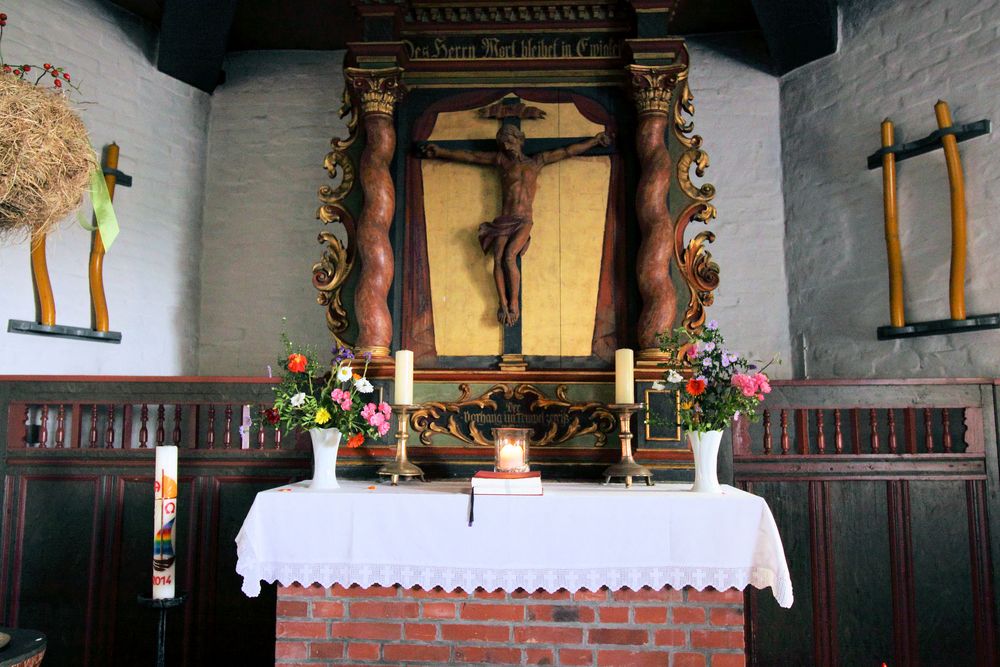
940	327
62	331
161	605
121	178
931	142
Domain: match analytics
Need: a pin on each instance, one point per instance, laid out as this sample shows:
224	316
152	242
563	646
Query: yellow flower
321	416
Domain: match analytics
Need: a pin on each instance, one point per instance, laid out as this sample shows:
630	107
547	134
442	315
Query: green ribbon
104	212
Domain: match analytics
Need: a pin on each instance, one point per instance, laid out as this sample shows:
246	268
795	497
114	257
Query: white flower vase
705	447
326	443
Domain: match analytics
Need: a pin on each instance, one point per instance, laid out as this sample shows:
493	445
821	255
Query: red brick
728	660
421	631
716	639
483	594
710	595
650	614
689	660
727	616
492	612
385	610
631	636
290	650
539	656
327	650
583	595
480	633
576	656
633	658
549	613
356	591
362	630
439	610
327	609
540	594
295	590
295	608
647	594
436	592
304	629
416	653
543	634
359	651
688	615
491	655
614	614
669	637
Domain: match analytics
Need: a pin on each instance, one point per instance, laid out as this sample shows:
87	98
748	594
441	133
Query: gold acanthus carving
695	264
427	419
330	273
699	158
652	86
378	89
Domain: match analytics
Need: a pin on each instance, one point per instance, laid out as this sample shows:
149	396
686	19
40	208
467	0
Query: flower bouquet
328	403
720	387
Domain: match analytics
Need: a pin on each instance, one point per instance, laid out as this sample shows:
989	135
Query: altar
585	574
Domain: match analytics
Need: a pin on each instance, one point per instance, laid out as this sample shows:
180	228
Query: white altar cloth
574	536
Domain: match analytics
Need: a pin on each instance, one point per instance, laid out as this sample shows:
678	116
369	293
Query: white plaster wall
271	125
737	114
895	59
151	272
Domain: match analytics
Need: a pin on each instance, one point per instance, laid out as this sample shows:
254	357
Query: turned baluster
873	430
277	436
61	426
928	434
892	432
838	435
820	437
93	426
161	416
784	431
177	426
260	431
43	431
143	431
109	429
227	435
767	432
211	426
946	430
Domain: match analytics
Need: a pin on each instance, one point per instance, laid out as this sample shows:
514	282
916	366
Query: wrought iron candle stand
627	467
161	604
401	466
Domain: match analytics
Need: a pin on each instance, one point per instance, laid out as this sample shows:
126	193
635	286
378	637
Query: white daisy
674	376
344	373
364	386
297	400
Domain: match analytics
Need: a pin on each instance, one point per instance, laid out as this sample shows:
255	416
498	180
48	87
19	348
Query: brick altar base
392	625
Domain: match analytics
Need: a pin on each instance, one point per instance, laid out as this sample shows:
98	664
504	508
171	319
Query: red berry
2	23
47	67
17	72
6	68
3	17
66	76
54	74
27	68
58	83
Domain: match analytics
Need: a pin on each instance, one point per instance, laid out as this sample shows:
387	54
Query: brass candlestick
627	467
401	467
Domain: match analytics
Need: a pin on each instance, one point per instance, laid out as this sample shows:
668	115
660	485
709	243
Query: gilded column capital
378	89
652	86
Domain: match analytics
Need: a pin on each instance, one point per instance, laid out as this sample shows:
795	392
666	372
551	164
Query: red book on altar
488	483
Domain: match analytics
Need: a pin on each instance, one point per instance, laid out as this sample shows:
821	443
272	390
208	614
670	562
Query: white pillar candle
164	521
404	377
624	376
511	457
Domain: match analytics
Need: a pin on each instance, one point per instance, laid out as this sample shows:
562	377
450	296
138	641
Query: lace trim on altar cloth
548	579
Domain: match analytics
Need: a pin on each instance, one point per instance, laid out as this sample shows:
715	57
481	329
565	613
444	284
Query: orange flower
357	377
296	363
356	440
695	387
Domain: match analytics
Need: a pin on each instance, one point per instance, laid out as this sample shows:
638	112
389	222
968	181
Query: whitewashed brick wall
151	273
896	59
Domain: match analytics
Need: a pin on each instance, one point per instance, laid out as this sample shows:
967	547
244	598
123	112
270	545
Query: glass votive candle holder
511	449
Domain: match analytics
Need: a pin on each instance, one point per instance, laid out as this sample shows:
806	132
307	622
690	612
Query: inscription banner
553	421
513	47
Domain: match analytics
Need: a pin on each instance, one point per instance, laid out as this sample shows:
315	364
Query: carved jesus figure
508	235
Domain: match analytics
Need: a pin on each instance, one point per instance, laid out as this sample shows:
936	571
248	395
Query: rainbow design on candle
163	547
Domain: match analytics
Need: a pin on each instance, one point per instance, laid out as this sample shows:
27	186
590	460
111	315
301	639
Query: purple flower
702	378
368	356
709	346
712	325
706	362
725	360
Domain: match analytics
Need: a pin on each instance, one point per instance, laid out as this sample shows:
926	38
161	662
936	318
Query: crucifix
507	236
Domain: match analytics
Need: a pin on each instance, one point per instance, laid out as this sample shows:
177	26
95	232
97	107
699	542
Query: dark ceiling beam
797	31
193	39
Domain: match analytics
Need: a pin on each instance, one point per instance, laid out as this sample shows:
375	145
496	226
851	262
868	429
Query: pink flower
746	384
377	419
383	428
337	395
346	404
368	411
762	383
385	409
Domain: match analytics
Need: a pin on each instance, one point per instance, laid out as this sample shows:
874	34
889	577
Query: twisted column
652	88
378	90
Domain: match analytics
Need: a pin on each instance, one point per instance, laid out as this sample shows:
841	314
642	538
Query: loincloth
503	226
